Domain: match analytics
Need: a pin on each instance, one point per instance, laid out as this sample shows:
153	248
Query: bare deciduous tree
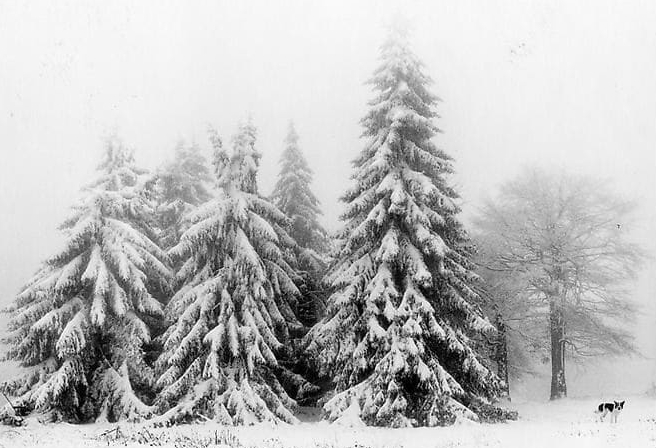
563	240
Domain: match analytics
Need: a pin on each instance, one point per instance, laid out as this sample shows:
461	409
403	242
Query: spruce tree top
239	172
180	186
185	179
293	196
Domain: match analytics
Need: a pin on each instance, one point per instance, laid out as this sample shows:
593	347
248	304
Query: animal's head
619	405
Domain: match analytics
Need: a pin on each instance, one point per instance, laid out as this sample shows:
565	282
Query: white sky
568	84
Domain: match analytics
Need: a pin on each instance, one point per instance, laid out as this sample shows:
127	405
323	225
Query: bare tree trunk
557	329
501	355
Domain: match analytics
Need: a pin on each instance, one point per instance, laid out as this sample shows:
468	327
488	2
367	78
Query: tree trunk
557	329
501	355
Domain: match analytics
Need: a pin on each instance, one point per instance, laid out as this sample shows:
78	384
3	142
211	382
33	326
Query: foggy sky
564	84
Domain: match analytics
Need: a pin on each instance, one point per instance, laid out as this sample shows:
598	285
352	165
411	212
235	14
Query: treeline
188	294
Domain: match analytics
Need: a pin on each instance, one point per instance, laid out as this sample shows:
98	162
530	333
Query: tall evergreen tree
79	326
396	338
181	185
234	311
293	196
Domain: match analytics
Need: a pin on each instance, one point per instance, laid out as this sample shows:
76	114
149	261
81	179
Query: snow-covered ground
567	423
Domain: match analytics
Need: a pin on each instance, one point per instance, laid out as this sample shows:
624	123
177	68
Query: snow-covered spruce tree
79	326
293	196
181	185
396	338
234	310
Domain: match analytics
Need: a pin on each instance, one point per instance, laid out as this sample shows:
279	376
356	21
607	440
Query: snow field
566	424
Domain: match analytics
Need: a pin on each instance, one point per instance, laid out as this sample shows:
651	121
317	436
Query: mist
567	85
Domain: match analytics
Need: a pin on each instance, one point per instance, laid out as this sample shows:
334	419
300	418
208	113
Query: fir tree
293	196
181	185
234	310
79	326
396	338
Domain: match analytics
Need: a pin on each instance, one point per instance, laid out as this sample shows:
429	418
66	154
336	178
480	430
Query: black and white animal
613	408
